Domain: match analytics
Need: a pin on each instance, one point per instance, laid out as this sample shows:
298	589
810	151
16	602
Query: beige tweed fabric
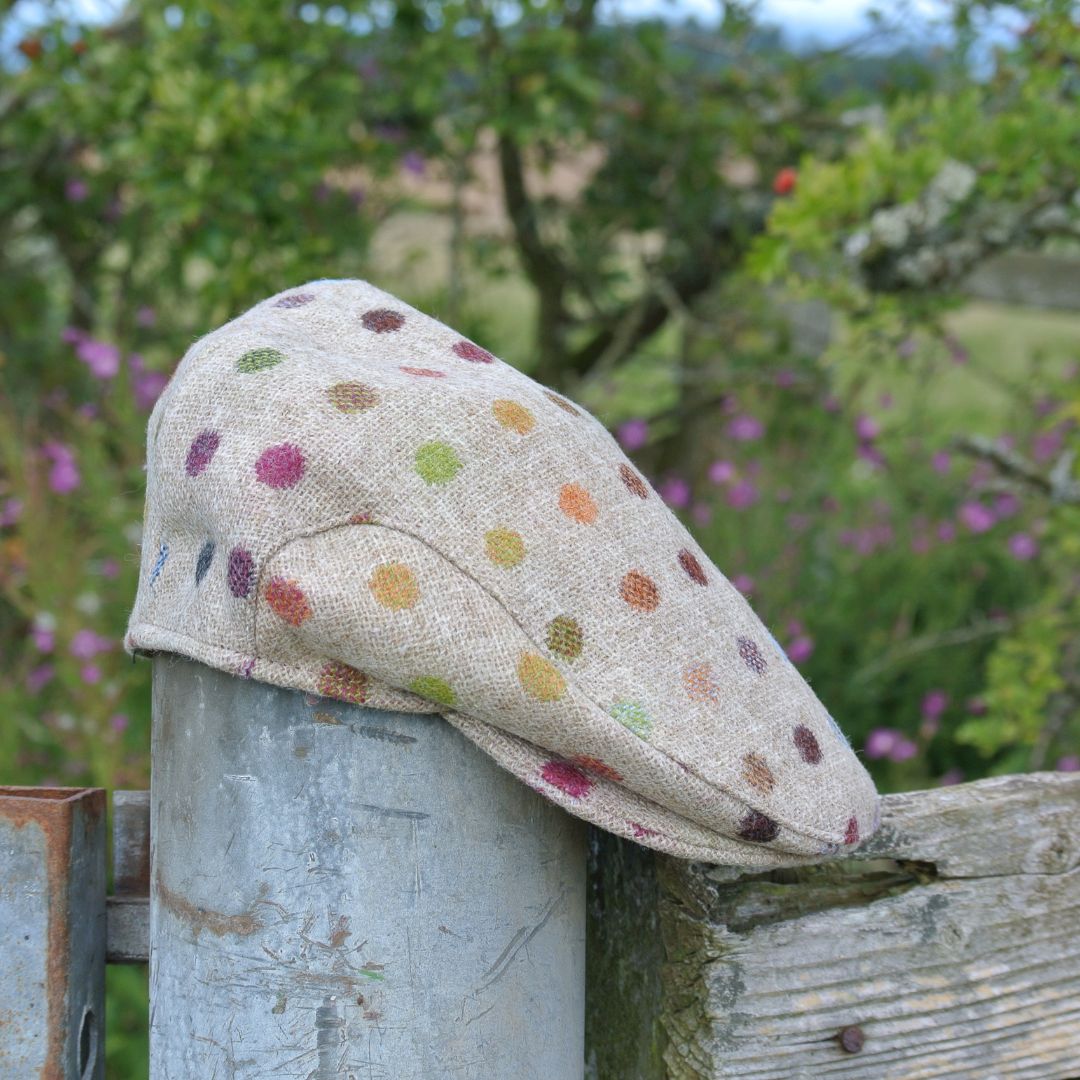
346	497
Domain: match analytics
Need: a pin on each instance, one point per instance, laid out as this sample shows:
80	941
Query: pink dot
473	353
567	778
280	466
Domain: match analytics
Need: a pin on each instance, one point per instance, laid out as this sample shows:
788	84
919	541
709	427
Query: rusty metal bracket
52	926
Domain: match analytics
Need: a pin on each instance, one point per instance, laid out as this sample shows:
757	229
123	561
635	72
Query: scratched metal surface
52	933
344	894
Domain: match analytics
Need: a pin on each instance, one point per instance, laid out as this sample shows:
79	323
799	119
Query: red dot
201	452
428	373
851	836
473	353
758	828
382	320
280	466
694	570
567	778
806	741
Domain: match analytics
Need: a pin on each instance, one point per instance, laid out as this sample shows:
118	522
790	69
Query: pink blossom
880	742
951	777
946	532
64	473
88	410
76	190
742	495
903	750
977	517
721	472
921	544
1047	444
40	677
941	462
871	454
72	335
1006	505
801	649
102	359
86	644
90	674
744	583
701	513
109	568
745	428
118	722
413	162
675	491
831	404
633	434
1068	763
867	428
10	512
147	387
1023	546
43	635
934	704
785	378
145	316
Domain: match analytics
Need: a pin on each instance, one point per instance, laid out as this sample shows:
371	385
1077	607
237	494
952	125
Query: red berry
784	182
30	48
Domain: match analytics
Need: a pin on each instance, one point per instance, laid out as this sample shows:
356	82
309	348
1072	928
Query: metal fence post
52	932
343	893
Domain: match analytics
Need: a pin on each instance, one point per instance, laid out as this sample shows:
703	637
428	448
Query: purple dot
201	452
241	572
280	466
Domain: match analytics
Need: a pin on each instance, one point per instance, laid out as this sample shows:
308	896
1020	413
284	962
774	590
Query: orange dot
699	683
639	591
513	417
756	772
576	503
540	678
394	586
287	600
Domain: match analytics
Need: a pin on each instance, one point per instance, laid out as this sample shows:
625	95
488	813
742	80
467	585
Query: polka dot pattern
424	372
201	452
513	416
640	591
473	353
568	778
437	462
434	689
352	397
343	683
806	742
563	404
394	586
259	360
565	637
693	569
634	483
758	828
202	564
540	678
752	655
851	833
597	767
699	683
382	320
577	504
634	717
504	547
294	300
287	601
756	772
241	572
281	466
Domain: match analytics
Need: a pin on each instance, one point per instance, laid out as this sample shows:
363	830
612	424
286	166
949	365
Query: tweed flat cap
346	497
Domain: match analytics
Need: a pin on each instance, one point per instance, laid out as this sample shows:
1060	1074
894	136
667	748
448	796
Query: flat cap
346	497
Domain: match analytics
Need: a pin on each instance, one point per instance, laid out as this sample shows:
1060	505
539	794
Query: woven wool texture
346	497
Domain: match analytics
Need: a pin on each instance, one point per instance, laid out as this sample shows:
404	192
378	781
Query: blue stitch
163	554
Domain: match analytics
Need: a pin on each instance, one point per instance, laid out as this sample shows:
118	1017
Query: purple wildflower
742	495
721	472
976	516
1023	546
675	491
745	428
632	434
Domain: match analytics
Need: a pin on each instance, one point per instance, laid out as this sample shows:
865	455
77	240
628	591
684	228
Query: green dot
633	716
437	462
427	686
259	360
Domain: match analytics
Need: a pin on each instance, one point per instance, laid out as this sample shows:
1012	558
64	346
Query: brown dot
565	637
756	772
751	655
513	416
351	397
694	571
634	484
562	403
758	828
806	741
851	835
597	767
577	504
467	350
382	320
639	591
699	683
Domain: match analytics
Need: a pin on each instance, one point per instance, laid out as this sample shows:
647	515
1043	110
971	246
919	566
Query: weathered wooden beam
128	920
948	946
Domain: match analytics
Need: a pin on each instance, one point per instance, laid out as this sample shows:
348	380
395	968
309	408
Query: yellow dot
513	417
540	678
394	586
505	548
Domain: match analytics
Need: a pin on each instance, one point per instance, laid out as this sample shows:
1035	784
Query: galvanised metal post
52	933
343	893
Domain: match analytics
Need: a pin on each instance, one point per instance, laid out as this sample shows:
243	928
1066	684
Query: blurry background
816	266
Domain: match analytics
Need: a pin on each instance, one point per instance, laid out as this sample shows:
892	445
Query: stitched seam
380	522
